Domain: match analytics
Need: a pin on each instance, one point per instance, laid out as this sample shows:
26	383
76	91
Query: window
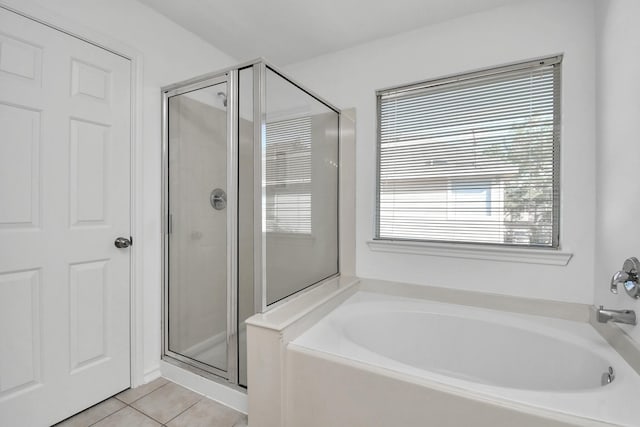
288	176
472	158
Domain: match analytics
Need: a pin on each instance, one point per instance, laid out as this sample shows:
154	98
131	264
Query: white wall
618	148
170	54
508	34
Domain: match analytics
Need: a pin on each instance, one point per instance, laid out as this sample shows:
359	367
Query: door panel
20	323
20	161
88	168
87	317
64	198
197	298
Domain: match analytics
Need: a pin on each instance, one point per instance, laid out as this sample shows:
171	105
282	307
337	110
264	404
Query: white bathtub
549	364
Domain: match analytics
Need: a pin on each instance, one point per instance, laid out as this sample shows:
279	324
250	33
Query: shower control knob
123	242
218	199
628	277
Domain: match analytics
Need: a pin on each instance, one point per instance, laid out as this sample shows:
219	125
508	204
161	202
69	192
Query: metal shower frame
230	75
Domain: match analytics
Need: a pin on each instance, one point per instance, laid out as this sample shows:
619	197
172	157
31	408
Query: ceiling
289	31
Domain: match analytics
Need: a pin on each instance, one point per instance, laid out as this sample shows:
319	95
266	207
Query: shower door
199	213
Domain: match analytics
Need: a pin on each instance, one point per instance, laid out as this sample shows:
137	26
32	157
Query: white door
64	199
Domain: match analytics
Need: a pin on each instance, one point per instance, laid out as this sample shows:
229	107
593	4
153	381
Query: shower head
224	98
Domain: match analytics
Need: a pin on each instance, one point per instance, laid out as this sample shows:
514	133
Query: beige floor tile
93	414
133	394
208	413
127	417
166	402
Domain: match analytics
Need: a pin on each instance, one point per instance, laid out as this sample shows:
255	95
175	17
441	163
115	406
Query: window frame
378	243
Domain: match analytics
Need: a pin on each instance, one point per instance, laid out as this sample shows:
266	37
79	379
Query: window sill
484	252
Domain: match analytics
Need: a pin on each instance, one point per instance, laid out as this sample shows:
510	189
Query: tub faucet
627	317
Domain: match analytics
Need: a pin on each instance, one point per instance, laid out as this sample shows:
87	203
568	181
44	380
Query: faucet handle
618	277
627	276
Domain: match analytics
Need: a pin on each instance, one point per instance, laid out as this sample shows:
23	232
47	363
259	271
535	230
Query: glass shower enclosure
250	208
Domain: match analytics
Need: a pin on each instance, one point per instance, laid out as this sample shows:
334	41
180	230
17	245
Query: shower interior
250	208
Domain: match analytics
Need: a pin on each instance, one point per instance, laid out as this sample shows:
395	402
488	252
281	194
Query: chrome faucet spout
628	317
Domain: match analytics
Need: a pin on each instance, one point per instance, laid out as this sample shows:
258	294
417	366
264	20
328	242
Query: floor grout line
146	415
199	400
92	424
129	405
145	395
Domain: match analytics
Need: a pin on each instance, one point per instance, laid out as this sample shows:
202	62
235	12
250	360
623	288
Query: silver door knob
123	242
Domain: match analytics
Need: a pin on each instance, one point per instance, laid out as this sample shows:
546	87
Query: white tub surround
267	337
538	307
379	359
332	391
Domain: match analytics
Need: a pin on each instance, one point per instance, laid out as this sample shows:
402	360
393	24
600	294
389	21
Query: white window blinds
472	158
288	176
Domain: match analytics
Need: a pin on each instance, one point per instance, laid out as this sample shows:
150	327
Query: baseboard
151	374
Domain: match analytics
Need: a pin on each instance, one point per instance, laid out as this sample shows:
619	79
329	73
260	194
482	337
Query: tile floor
158	403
